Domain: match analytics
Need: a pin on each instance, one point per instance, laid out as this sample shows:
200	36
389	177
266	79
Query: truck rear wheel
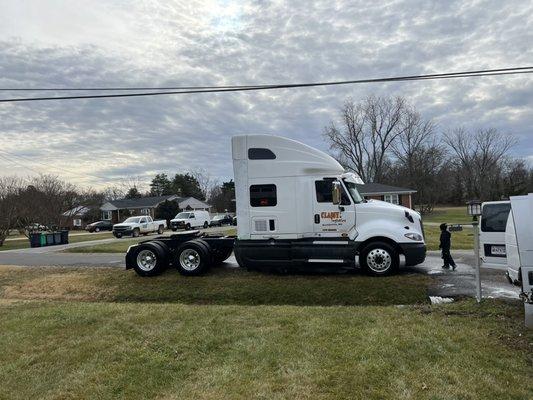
150	259
379	258
160	229
192	258
136	232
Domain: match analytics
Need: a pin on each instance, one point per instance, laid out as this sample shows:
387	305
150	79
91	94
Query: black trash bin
35	240
64	237
57	237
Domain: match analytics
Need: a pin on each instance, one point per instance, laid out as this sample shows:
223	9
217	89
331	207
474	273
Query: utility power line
222	89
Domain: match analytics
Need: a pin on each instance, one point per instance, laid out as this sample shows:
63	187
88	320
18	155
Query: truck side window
256	153
494	217
263	196
323	192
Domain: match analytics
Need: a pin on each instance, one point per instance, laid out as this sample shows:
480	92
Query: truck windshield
356	197
135	220
182	215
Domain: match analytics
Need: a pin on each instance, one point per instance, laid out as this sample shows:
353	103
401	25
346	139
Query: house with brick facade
390	194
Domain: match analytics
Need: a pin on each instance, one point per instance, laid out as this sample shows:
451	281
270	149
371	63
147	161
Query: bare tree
480	158
205	181
9	189
44	200
364	140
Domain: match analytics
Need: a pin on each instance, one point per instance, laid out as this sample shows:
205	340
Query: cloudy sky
91	43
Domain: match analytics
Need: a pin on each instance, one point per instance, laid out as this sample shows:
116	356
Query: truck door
492	234
331	220
144	224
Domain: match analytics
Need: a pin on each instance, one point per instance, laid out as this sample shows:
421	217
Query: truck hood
390	208
122	225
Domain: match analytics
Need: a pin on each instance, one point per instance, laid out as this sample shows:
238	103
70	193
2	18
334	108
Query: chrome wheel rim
378	260
146	260
189	259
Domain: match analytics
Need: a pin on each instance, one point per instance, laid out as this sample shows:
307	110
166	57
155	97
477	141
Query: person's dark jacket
445	240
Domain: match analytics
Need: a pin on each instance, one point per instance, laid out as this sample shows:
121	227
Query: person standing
445	246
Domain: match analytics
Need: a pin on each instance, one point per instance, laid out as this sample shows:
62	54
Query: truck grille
121	228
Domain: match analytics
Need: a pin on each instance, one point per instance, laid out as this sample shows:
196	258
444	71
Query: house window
76	222
392	198
263	196
145	211
106	215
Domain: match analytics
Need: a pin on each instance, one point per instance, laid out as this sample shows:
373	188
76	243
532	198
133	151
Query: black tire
200	261
206	225
379	259
160	230
118	235
188	227
174	229
150	259
97	230
136	232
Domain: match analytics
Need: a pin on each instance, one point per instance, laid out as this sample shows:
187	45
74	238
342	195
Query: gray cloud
120	44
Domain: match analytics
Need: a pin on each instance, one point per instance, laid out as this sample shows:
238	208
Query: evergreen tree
161	185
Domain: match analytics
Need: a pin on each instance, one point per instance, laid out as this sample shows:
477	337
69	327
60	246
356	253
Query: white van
518	239
190	219
493	222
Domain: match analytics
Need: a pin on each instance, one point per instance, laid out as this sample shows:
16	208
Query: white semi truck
297	208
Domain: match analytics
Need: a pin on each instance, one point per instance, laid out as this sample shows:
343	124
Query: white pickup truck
135	226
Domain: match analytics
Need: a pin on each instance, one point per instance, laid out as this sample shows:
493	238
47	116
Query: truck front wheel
379	258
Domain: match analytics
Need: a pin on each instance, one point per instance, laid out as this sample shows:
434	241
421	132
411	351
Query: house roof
378	188
151	202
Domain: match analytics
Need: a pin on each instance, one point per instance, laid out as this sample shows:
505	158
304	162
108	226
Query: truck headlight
413	236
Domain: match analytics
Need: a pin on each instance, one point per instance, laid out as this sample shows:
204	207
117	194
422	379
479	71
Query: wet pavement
461	282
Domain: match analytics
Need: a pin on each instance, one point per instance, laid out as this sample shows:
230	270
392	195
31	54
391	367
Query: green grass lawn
105	333
24	243
463	240
450	215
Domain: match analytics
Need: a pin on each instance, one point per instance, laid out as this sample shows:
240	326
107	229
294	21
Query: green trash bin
42	239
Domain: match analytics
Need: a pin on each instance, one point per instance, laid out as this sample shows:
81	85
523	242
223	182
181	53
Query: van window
324	188
263	196
260	154
494	217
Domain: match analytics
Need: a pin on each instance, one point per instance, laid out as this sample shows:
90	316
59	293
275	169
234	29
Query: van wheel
379	258
160	230
206	225
150	259
192	259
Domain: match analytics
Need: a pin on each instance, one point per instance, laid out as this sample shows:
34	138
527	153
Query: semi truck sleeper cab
297	208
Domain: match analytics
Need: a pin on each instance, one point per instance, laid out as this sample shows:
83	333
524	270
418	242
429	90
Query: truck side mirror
336	192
